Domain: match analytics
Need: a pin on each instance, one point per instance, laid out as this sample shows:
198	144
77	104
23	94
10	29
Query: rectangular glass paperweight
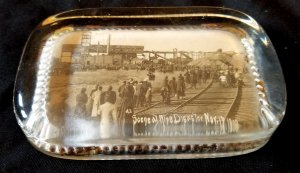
139	83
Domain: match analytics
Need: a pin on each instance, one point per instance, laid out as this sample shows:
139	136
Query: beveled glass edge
58	18
152	12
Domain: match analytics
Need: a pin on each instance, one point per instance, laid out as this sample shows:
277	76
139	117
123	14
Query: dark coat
108	96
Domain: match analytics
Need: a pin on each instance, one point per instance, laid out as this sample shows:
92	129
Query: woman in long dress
90	103
96	101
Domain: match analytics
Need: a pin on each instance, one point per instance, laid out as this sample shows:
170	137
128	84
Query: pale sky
162	40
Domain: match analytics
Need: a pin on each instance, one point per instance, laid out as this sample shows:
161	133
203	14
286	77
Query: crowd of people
132	95
197	75
230	78
98	103
102	104
176	88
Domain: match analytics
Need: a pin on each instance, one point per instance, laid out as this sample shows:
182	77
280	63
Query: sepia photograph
150	83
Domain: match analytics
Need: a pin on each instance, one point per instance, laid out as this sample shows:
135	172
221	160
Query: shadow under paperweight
140	83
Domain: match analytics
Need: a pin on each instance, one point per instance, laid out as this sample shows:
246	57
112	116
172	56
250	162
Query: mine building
99	55
87	56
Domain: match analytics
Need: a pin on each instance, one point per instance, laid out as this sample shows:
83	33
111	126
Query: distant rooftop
102	48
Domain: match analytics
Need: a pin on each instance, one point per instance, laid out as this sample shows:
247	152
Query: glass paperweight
139	83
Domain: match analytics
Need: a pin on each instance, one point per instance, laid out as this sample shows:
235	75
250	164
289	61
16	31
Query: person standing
200	74
180	87
173	86
109	96
91	101
223	80
208	73
81	100
96	96
145	85
204	75
236	77
232	78
148	96
194	79
108	114
166	81
139	94
121	89
126	110
165	93
135	96
187	77
240	80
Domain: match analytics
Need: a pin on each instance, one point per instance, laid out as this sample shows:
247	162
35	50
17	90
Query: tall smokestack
108	44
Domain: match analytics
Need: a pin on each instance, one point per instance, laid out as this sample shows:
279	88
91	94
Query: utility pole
85	44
